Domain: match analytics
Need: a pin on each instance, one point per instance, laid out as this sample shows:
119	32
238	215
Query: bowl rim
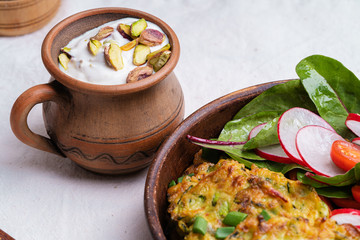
152	178
82	86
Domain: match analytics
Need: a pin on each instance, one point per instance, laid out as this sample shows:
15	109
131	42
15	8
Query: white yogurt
94	69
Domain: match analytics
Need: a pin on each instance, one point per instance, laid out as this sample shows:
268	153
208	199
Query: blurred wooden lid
18	17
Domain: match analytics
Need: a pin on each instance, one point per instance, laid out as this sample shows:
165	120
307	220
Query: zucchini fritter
294	210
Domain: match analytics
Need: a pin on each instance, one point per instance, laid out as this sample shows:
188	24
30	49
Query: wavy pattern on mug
135	157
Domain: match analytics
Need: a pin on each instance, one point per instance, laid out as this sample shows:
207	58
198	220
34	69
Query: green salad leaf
325	87
334	192
324	97
278	98
273	166
349	178
267	136
234	149
306	180
342	80
238	130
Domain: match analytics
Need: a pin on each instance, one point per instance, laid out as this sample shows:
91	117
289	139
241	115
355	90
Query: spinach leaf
272	166
267	136
278	98
306	180
349	178
211	155
341	79
247	163
238	130
324	97
234	149
334	192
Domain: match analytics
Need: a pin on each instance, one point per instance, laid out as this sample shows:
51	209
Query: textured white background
225	46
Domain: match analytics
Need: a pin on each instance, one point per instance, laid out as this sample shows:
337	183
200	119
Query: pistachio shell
64	60
139	73
113	56
140	53
151	37
94	46
137	27
124	30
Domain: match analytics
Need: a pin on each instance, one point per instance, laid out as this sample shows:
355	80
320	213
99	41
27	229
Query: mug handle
20	111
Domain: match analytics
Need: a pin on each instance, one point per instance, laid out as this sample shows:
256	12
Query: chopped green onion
172	183
234	218
202	197
180	179
223	232
265	214
200	225
224	209
215	199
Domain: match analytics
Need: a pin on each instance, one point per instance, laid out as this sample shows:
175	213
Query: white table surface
225	46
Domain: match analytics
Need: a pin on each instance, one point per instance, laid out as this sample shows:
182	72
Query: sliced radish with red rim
356	141
289	124
346	215
314	145
274	152
353	123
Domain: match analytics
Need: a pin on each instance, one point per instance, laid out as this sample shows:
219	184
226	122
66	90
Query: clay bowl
18	17
176	154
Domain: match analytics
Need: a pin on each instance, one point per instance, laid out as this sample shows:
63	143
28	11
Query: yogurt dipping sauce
93	69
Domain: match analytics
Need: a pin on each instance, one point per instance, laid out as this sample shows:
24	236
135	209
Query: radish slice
274	152
346	215
289	124
353	123
314	145
356	141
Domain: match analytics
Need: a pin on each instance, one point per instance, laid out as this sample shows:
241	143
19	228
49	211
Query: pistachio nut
66	50
94	46
151	37
124	31
137	27
113	56
103	33
109	41
64	60
159	61
158	52
139	73
129	45
140	53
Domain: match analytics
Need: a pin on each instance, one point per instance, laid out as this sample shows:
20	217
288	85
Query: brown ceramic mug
108	129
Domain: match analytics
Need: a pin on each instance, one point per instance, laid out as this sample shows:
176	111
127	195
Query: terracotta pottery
177	153
18	17
108	129
5	236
